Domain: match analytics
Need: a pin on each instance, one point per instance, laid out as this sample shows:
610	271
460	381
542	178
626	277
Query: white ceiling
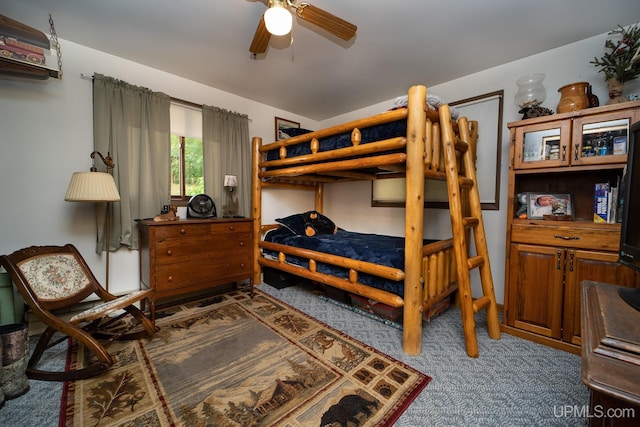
398	43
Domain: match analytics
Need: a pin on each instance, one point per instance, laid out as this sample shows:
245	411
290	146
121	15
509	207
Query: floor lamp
97	187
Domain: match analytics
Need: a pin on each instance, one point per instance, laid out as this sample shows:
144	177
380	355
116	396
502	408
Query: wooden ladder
462	185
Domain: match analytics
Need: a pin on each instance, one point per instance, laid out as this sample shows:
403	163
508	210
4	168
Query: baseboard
549	342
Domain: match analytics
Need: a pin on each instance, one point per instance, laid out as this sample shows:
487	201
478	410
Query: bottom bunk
365	264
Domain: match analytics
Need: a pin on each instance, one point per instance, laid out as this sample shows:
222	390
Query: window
187	177
187	173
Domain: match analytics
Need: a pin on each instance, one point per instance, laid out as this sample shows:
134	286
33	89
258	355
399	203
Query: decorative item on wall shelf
621	61
531	93
573	97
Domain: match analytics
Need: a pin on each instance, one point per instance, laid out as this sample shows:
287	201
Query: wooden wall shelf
20	42
17	68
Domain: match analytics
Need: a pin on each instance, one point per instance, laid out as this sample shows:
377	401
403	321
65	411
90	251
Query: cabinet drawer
583	237
207	247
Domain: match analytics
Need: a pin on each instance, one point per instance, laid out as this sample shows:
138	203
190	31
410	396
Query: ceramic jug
573	97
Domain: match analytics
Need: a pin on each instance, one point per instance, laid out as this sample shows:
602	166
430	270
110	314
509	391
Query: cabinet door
589	265
602	138
536	288
542	145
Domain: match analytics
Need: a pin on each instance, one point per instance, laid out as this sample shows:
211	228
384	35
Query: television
630	236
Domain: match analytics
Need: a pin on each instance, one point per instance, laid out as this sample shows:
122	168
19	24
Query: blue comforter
374	248
370	134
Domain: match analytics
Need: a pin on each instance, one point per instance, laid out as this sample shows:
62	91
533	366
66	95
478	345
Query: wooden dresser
179	257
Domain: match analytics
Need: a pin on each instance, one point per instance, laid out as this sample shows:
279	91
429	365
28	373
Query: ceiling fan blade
327	21
260	38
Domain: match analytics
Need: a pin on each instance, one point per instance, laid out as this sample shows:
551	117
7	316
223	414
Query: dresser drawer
231	227
171	251
180	231
596	237
181	277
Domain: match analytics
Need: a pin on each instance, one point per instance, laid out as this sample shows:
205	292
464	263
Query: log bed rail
438	270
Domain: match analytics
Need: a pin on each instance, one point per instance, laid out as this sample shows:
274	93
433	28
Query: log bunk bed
431	146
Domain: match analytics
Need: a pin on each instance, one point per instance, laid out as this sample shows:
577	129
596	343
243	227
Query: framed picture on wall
487	110
281	127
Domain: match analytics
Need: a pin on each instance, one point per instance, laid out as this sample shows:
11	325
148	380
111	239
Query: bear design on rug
316	223
346	411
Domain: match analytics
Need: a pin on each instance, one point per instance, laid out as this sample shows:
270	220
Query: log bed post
319	200
414	212
256	207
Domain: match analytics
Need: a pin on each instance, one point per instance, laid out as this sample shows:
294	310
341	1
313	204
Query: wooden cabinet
548	259
179	257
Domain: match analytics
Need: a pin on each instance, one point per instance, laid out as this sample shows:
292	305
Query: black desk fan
201	206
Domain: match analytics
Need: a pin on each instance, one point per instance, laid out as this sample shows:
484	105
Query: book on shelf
606	201
601	202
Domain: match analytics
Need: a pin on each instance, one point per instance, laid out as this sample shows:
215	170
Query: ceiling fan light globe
278	20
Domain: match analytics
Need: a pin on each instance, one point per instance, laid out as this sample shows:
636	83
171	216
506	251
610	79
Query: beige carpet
240	361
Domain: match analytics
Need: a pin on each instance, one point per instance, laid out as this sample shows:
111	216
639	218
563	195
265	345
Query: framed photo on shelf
549	206
282	125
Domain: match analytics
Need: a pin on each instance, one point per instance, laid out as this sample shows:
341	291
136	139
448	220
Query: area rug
237	360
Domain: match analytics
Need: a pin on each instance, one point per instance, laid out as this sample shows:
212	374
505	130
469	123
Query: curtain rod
173	99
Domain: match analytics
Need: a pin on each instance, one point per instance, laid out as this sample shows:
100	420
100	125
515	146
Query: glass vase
531	92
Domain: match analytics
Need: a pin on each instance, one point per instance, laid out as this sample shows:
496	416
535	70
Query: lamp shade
92	187
230	181
278	19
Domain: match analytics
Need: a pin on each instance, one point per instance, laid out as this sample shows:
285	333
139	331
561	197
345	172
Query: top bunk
370	148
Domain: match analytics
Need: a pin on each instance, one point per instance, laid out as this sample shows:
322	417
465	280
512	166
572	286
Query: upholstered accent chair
52	278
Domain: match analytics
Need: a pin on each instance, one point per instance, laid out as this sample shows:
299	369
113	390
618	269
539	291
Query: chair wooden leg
102	365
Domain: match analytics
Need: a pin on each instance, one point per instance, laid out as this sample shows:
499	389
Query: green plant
622	58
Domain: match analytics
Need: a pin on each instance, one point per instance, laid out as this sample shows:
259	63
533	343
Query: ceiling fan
277	20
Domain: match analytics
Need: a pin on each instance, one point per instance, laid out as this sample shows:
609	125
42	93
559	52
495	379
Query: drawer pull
169	253
170	279
231	227
241	243
557	236
183	231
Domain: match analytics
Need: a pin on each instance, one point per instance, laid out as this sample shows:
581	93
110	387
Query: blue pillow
308	224
294	223
316	223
